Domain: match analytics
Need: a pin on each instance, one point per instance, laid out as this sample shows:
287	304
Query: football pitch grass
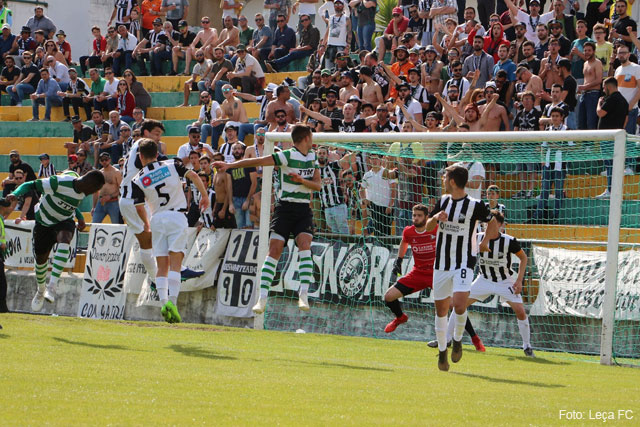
68	371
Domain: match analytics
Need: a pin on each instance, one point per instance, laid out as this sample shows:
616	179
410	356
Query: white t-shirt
377	188
307	8
214	112
413	108
111	88
553	153
531	24
475	169
627	78
250	61
327	10
229	12
200	69
187	148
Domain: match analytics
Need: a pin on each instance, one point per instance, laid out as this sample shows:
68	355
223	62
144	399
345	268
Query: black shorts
404	290
229	220
44	238
292	218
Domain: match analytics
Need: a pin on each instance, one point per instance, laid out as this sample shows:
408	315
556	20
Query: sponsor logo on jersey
155	176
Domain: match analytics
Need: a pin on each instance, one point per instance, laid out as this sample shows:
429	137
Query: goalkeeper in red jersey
423	247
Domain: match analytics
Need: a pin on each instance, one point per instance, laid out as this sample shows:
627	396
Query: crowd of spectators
522	66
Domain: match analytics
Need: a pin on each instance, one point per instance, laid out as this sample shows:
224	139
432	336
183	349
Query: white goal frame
615	202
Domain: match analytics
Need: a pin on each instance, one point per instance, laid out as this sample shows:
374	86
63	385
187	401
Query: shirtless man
223	211
431	70
533	82
280	124
592	70
371	91
204	37
549	71
229	37
105	202
347	89
280	103
232	108
496	115
472	116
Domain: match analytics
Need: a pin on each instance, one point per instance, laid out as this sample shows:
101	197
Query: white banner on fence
572	283
343	273
20	248
205	255
102	295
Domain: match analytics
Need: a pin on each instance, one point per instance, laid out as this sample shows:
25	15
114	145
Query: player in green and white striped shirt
60	197
298	177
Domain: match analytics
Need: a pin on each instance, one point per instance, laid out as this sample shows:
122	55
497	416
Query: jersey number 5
162	195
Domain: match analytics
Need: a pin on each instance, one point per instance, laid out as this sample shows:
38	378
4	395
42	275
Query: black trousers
594	16
94	61
76	103
379	221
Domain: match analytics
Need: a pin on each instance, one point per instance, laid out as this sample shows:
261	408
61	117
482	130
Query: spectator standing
41	22
176	10
409	176
366	10
479	61
309	41
99	47
378	194
76	90
577	51
9	75
613	113
46	93
592	71
569	90
140	94
337	38
122	13
126	46
201	70
27	82
604	49
150	11
620	25
262	39
526	120
105	201
8	45
628	78
179	49
555	27
243	183
277	7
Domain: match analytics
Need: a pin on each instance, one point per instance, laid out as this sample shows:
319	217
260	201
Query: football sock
174	286
469	328
395	306
41	276
525	332
162	286
266	275
149	262
441	332
461	319
60	258
306	271
451	325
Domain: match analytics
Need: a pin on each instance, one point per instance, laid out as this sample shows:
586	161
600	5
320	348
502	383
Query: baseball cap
14	152
325	72
490	84
194	129
241	47
414	70
519	24
381	107
341	55
402	86
554	23
73	158
407	37
414	50
61	33
183	23
6	27
157	21
534	1
25	29
271	87
338	1
366	71
230	125
354	98
76	119
401	47
431	48
397	11
43	156
346	74
103	154
332	91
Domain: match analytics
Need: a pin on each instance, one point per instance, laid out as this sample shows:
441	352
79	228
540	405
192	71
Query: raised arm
245	163
449	108
315	115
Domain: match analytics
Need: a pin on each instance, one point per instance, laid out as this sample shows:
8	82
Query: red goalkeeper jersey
423	247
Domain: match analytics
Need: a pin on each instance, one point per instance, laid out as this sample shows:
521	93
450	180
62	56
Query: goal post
505	149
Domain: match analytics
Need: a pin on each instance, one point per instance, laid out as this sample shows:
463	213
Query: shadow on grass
532	359
199	352
3	336
93	345
339	365
508	381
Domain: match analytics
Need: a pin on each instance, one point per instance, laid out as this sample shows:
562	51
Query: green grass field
68	371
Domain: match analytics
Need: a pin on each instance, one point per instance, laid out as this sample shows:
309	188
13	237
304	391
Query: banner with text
353	272
20	247
102	295
573	282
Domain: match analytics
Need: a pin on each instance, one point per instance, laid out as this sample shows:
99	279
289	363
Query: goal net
566	197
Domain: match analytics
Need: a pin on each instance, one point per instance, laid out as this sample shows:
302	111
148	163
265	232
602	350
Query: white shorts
169	233
446	283
130	216
482	288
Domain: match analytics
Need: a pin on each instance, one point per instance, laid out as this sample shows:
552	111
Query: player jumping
455	216
60	197
298	178
159	183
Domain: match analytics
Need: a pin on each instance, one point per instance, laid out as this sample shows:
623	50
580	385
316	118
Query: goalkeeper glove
397	267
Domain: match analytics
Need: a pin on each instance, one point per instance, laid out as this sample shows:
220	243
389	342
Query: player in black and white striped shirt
456	215
496	277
